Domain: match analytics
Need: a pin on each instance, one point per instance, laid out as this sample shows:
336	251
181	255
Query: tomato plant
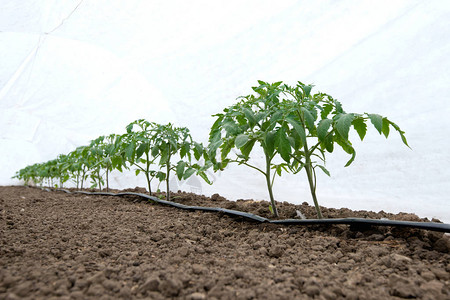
104	156
137	146
169	142
321	123
254	119
292	123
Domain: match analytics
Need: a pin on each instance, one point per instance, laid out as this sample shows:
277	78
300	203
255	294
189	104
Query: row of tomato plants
293	127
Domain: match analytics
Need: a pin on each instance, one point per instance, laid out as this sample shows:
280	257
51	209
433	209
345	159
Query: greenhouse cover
74	70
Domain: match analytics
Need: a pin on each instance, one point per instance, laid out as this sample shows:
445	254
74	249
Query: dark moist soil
55	245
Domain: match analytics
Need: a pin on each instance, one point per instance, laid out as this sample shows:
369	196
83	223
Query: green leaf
188	173
226	148
345	144
329	143
241	140
198	150
377	121
204	177
180	169
269	142
248	148
352	158
343	124
324	170
129	127
298	128
283	145
230	127
402	133
275	118
141	149
307	90
360	126
327	108
250	116
309	119
137	171
338	106
155	151
271	209
129	151
322	128
385	127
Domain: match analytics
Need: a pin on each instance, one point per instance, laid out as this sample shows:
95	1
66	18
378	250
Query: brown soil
67	246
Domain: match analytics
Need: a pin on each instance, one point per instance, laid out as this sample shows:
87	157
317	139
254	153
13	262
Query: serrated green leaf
282	143
188	173
338	106
226	148
275	118
402	133
141	149
161	176
241	140
183	152
250	116
155	151
360	126
327	108
129	151
345	144
309	119
230	127
262	82
129	127
307	90
298	128
269	142
322	128
247	148
343	124
180	169
377	121
278	169
217	123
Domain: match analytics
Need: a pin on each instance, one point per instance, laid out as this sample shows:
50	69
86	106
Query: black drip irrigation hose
433	226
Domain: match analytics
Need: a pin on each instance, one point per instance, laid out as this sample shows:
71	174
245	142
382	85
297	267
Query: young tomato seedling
292	123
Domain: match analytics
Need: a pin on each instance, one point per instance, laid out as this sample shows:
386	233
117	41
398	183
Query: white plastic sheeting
73	70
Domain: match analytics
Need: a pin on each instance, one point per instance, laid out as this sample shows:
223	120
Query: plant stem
146	174
269	186
99	181
312	187
167	178
107	181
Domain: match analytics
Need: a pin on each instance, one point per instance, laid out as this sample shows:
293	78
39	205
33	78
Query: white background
73	70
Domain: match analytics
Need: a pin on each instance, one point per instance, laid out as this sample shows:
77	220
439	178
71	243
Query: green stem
311	181
146	174
309	171
167	178
99	181
269	186
107	181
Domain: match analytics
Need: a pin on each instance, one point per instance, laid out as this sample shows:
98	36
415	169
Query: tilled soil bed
55	245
